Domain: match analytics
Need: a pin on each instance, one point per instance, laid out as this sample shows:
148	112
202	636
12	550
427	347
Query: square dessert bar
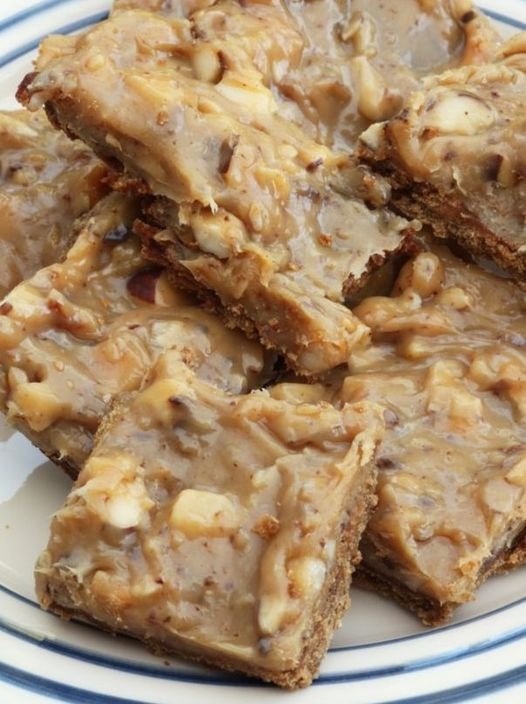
250	208
456	157
448	362
46	181
363	58
80	332
219	527
360	60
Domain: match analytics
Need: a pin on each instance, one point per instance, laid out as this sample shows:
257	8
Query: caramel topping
264	215
464	135
79	333
362	59
181	484
46	181
359	60
448	361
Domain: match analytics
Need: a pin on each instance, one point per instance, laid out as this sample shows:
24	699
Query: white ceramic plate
380	656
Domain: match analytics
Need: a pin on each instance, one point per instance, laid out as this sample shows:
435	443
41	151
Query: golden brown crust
455	156
165	252
294	613
430	611
66	462
448	217
334	601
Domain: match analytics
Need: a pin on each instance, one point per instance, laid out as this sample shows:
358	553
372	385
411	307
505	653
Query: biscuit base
448	217
430	611
332	604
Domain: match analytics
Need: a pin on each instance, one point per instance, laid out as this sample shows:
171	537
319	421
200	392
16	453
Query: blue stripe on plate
64	649
30	12
66	29
512	21
345	648
75	695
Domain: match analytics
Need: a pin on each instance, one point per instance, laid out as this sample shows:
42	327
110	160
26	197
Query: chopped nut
360	29
454	297
517	474
424	274
207	64
266	526
376	101
499	495
36	403
95	62
203	513
115	492
307	575
271	612
454	112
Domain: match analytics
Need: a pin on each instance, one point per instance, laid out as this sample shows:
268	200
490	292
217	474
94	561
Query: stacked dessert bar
253	349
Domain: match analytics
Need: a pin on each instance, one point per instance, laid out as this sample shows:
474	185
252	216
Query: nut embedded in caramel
162	521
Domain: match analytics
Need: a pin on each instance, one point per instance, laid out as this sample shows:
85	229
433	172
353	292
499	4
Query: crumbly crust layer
429	611
447	361
271	220
236	554
81	332
455	157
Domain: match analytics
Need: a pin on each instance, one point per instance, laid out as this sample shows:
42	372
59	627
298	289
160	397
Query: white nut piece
271	613
220	234
500	496
458	112
517	474
457	406
37	404
125	509
247	90
375	101
206	64
16	128
307	575
114	491
361	31
298	393
198	513
455	297
424	274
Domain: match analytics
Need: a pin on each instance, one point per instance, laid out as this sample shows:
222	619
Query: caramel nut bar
456	157
217	527
46	181
448	362
256	211
360	60
83	331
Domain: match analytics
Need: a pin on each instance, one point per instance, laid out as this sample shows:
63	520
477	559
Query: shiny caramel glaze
212	525
259	212
46	181
457	156
83	331
360	58
448	362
